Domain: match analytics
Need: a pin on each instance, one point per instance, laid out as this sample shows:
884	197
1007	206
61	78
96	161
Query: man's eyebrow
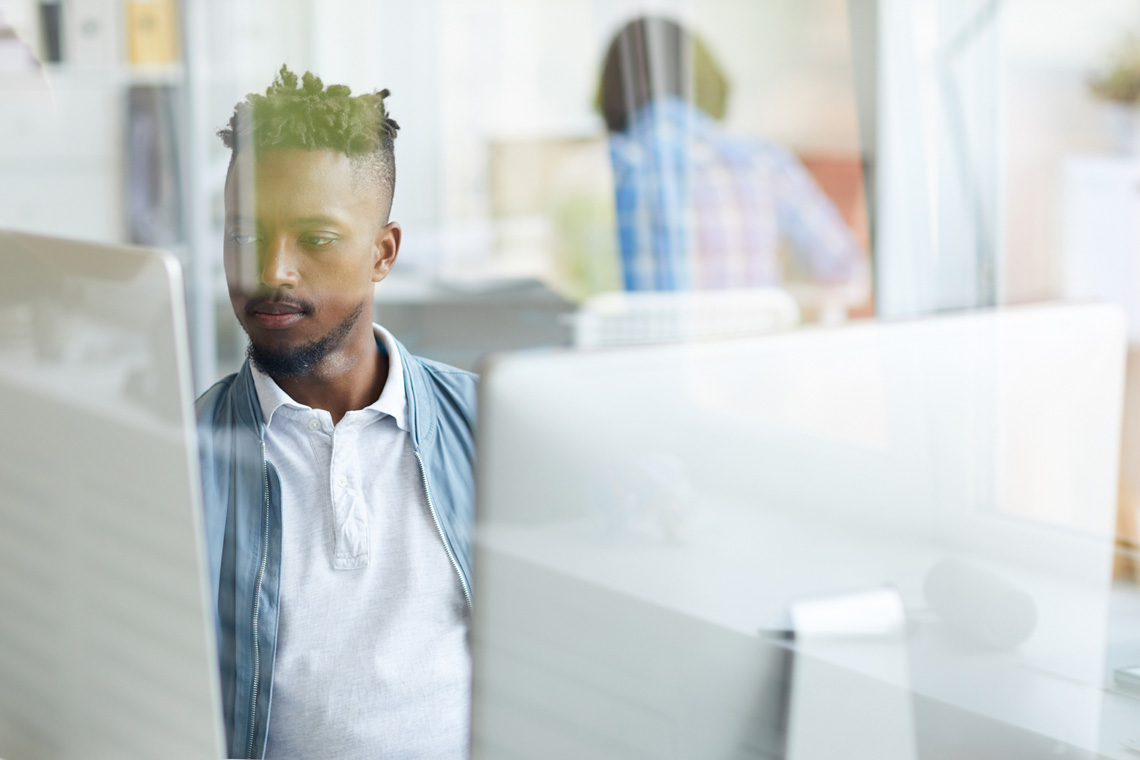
319	219
301	220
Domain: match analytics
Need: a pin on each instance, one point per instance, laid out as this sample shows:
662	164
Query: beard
300	360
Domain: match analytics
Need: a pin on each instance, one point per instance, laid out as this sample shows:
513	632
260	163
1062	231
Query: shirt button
342	481
314	424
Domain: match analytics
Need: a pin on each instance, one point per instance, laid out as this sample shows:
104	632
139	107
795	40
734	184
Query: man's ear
385	248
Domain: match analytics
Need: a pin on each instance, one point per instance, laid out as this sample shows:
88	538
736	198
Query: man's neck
348	379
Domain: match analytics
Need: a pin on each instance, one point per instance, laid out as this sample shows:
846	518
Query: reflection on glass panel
718	523
724	542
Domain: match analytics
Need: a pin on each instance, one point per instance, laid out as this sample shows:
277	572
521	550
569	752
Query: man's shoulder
206	404
446	371
434	370
229	403
452	379
451	387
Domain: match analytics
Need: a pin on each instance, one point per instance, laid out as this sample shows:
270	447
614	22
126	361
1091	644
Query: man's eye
241	238
317	241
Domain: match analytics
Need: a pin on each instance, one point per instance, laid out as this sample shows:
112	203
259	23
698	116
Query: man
698	208
337	468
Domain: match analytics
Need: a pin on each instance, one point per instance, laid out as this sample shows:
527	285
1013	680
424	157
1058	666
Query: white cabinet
1101	252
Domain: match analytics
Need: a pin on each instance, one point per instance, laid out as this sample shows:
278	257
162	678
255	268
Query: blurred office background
962	142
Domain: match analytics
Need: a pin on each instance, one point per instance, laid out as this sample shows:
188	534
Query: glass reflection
660	522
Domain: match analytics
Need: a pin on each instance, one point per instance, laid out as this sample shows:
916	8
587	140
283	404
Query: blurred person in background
337	467
697	207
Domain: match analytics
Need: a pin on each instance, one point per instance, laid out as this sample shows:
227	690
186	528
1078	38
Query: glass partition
803	439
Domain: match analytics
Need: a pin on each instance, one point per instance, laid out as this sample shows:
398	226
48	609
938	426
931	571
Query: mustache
277	304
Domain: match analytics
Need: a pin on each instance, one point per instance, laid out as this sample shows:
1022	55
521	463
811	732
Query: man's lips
277	315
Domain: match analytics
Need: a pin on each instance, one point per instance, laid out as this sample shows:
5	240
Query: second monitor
645	514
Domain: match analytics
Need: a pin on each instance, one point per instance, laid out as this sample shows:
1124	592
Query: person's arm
823	241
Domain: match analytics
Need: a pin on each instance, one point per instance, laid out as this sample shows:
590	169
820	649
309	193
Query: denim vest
242	499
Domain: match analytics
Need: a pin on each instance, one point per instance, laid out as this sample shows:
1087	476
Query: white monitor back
106	637
644	514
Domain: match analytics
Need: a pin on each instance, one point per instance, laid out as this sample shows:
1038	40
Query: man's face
304	245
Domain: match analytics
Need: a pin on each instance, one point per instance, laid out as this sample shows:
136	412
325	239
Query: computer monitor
106	633
647	517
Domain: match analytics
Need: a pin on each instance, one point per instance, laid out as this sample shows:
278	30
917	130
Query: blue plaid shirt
700	209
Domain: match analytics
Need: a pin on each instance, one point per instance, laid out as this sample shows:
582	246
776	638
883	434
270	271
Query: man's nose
278	266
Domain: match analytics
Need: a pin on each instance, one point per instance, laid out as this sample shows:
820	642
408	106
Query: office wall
1052	47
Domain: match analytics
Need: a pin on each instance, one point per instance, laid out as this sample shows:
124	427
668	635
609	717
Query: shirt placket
350	518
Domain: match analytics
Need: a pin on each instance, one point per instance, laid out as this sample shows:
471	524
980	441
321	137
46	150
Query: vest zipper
257	603
439	527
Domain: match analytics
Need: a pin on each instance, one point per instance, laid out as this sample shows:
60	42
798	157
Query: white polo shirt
372	656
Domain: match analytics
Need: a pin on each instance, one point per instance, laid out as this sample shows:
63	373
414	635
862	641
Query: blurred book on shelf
92	35
51	30
152	32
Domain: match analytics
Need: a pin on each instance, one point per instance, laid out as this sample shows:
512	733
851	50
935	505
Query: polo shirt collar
393	400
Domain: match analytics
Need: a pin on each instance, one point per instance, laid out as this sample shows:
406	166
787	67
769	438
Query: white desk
742	566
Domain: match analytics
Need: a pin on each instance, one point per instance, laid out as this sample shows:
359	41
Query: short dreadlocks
302	113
